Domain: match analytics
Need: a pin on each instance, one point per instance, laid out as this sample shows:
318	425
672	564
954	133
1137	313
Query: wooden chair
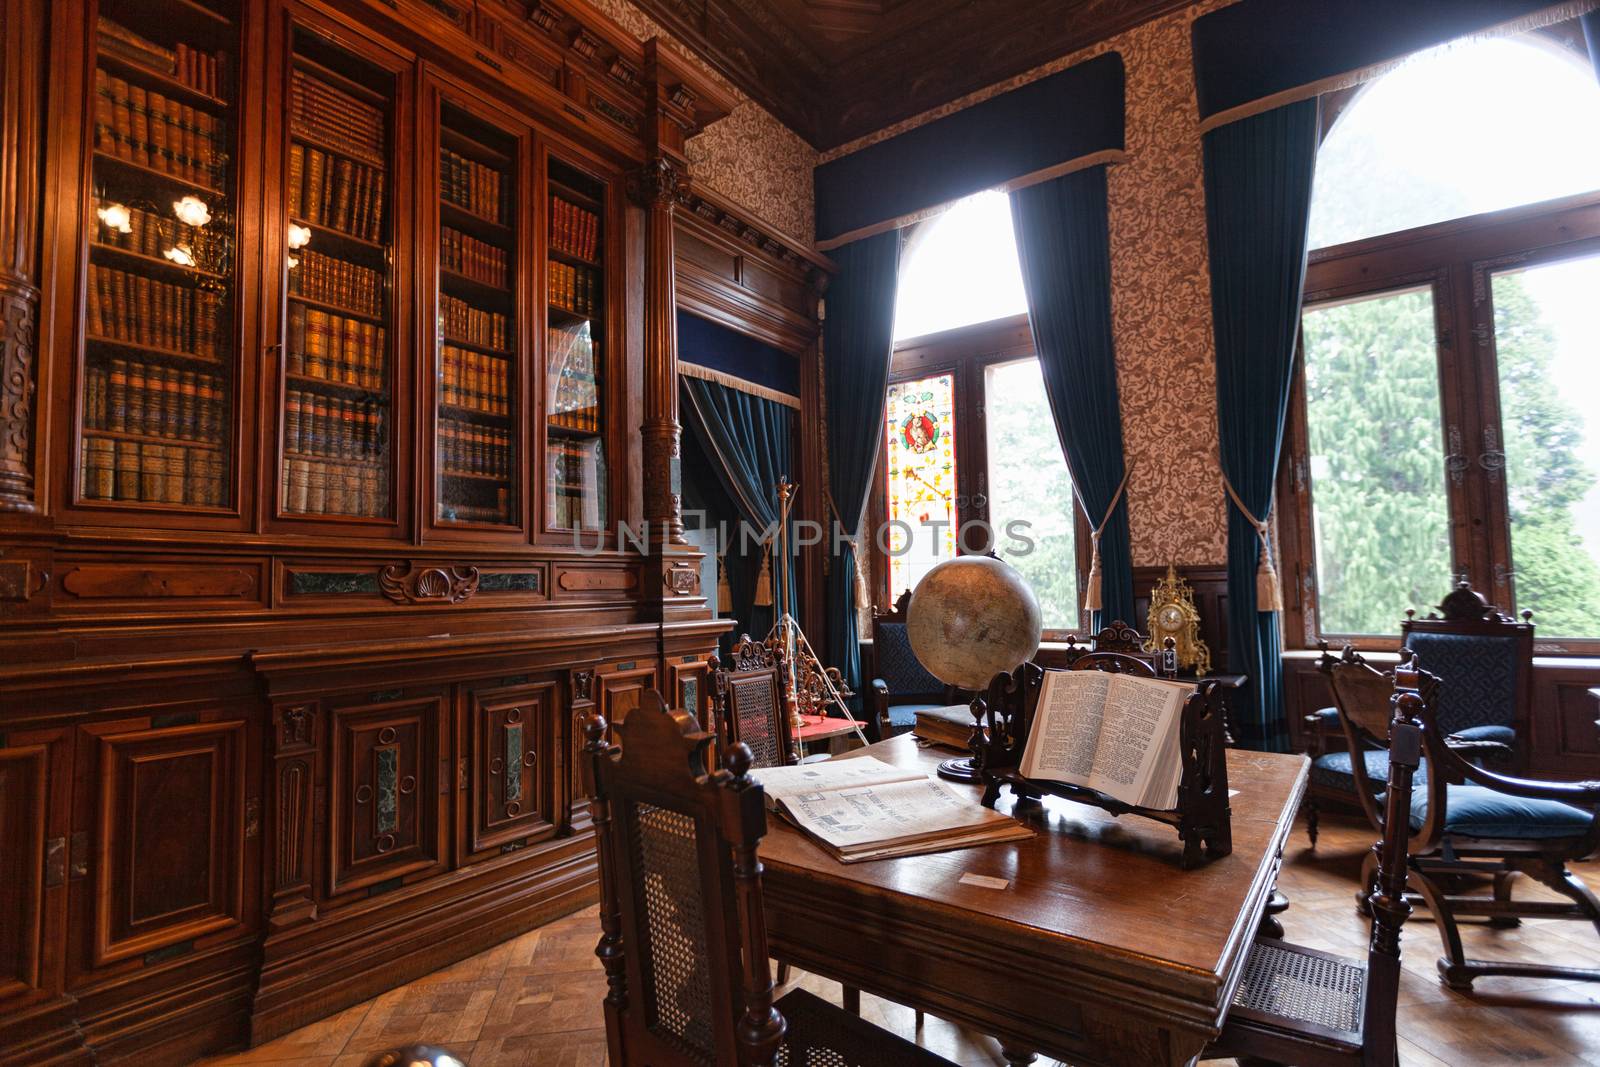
901	685
684	941
748	704
1301	1006
1485	659
1477	822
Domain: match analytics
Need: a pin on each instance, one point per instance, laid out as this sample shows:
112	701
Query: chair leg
852	999
919	1018
1017	1057
1312	814
1563	881
783	973
1369	872
1453	970
1502	893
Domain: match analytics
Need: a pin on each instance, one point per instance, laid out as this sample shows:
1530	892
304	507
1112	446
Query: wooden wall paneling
386	789
35	799
507	738
1210	585
1566	733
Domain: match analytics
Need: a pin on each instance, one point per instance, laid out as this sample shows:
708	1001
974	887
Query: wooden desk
1101	951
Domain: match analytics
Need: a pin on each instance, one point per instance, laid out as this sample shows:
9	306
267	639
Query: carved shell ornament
404	584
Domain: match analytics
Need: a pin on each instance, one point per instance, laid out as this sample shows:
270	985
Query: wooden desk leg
1015	1057
1277	904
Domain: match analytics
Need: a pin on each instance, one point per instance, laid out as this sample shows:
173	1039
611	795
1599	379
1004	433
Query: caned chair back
1483	659
749	703
1118	649
683	941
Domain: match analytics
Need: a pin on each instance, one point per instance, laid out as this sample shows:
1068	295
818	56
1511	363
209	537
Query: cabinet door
166	828
384	797
33	859
342	392
508	744
617	689
160	383
478	393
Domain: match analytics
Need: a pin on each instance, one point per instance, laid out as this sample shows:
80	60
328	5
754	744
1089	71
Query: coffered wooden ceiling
837	69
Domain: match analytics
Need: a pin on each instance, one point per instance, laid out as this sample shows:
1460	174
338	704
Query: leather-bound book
316	488
295	497
295	357
127	470
297	167
316	162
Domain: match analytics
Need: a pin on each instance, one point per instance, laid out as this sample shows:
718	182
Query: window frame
1457	257
964	352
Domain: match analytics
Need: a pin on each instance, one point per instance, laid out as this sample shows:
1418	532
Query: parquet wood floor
536	1000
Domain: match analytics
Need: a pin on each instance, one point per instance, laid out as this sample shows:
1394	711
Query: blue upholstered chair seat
1476	811
1504	735
906	714
1332	769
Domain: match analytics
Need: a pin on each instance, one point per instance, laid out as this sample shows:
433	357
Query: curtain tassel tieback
724	590
1269	588
764	579
1094	595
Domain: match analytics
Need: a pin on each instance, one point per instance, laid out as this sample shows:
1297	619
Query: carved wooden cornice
772	244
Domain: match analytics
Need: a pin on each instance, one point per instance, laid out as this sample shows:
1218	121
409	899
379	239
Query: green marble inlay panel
511	582
512	786
332	583
388	790
691	694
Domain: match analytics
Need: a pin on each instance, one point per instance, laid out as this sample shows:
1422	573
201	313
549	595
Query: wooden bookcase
299	600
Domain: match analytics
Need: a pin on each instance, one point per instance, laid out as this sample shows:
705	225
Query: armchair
901	686
1485	660
1468	820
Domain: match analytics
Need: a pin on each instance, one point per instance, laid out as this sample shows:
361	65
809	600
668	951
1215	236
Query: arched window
1451	346
960	268
971	459
1457	131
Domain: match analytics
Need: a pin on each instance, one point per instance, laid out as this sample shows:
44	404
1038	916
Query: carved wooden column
21	106
658	187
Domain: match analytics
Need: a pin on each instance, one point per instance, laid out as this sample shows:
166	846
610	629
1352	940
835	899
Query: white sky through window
960	269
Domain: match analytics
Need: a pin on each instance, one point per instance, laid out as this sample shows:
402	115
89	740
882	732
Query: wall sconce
181	255
192	211
299	236
117	217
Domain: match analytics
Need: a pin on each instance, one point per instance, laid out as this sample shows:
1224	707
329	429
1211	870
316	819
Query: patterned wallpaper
1160	292
749	157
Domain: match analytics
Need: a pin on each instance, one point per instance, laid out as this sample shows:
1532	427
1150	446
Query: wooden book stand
1202	816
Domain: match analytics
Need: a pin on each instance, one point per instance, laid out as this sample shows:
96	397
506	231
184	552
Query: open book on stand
864	809
1114	733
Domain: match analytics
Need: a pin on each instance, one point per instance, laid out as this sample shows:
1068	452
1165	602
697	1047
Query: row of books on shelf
123	306
152	473
153	130
472	380
471	186
463	322
152	234
573	289
452	509
198	70
155	401
472	258
573	230
332	191
576	476
335	118
468	448
335	281
335	348
332	427
331	487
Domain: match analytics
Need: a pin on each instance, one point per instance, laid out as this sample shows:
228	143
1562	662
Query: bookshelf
575	350
477	458
157	391
337	373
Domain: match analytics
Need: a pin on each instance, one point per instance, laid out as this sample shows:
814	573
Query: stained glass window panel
920	457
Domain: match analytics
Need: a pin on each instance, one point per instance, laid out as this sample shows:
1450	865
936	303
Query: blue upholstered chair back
1478	676
897	665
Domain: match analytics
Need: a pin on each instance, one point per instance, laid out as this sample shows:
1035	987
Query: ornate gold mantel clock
1173	614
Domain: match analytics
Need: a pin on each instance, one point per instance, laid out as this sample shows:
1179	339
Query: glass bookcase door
159	383
576	350
477	448
338	368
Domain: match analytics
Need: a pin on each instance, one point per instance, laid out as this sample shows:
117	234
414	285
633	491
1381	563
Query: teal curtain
1258	174
748	443
858	338
1064	244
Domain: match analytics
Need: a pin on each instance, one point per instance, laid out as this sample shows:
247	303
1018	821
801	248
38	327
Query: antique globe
971	618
